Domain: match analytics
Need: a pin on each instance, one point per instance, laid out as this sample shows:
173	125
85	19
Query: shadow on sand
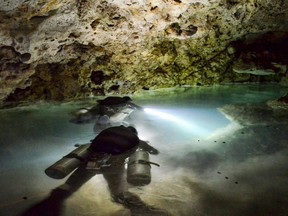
118	187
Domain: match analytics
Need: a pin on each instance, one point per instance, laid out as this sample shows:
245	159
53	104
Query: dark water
210	164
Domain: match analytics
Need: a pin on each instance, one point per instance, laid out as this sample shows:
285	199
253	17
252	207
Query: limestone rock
56	50
262	54
281	103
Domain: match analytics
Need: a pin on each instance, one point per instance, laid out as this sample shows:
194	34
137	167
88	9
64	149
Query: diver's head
133	129
127	98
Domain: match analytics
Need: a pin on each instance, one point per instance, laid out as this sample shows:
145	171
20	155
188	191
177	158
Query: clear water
209	164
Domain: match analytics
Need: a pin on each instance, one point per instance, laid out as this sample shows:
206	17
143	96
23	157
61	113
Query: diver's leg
116	180
76	180
118	186
53	205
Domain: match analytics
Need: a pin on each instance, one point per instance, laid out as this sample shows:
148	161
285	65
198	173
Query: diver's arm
146	147
135	106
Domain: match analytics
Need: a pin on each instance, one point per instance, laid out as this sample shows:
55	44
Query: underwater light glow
179	121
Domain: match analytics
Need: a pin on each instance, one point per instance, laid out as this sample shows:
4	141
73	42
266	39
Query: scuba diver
115	102
107	155
107	106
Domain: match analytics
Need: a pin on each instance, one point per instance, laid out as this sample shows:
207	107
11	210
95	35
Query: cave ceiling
57	50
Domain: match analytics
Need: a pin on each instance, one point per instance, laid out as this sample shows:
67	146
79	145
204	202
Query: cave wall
56	50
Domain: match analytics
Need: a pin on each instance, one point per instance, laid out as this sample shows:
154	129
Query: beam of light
191	127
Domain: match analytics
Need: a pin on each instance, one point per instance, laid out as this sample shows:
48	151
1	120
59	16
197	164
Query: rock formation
56	50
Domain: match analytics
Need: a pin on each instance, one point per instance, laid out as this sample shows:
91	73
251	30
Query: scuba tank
68	163
139	168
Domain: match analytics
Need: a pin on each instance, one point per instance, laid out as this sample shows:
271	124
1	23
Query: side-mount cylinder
68	163
139	168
